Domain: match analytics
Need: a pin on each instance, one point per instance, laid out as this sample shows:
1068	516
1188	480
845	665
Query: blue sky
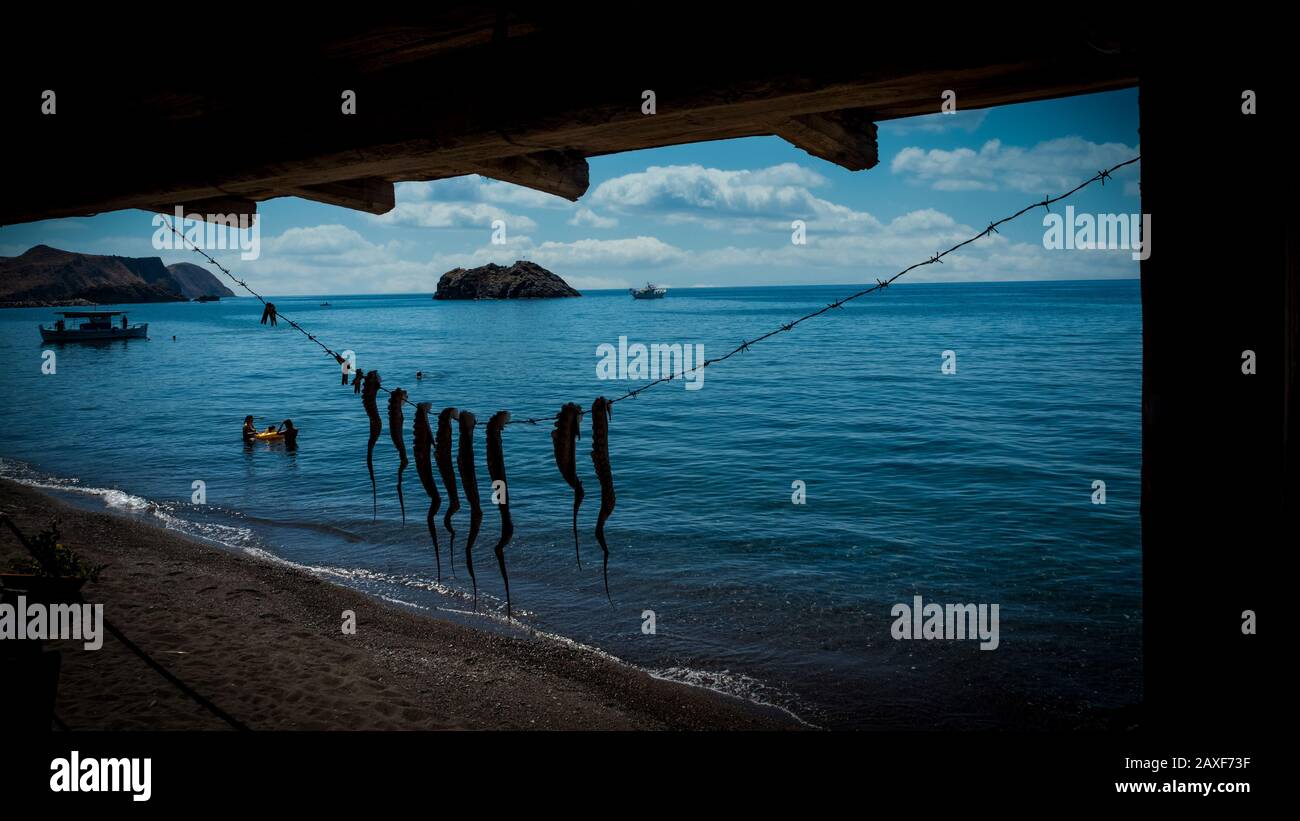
709	214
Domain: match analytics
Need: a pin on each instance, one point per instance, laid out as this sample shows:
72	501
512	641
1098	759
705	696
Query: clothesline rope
881	284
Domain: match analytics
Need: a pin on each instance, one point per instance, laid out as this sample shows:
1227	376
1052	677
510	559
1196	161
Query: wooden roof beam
846	137
531	128
211	209
562	173
371	194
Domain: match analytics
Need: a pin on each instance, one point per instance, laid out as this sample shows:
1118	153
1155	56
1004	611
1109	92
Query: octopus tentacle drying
268	314
468	481
424	468
446	468
600	414
369	399
496	465
395	431
568	429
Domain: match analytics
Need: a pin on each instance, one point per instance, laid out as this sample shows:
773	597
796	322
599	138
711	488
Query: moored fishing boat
99	325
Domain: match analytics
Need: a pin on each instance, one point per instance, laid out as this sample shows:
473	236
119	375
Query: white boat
650	291
100	326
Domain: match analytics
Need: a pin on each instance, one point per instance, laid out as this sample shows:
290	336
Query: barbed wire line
881	284
338	357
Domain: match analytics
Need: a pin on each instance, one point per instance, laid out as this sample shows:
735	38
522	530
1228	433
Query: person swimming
285	429
290	434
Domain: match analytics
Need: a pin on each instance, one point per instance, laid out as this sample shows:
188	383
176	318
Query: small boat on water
650	291
99	325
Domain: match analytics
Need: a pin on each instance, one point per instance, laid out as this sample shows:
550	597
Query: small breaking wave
120	501
737	685
374	582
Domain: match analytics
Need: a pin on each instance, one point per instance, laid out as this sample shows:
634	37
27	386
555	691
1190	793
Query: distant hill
195	281
50	276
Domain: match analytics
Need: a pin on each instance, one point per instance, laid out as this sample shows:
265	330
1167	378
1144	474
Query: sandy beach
263	642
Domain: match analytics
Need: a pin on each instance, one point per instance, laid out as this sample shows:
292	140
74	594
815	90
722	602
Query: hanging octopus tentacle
468	481
369	399
424	468
356	381
447	469
568	429
496	465
268	314
600	414
395	430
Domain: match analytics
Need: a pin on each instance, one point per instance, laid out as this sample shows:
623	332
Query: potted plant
54	571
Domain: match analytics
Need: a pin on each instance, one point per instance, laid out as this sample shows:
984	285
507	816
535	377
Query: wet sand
263	642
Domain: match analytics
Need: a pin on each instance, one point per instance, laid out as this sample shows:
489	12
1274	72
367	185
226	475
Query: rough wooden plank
211	209
562	173
846	138
371	195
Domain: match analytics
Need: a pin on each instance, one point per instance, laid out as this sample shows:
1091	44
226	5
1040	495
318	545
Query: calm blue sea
973	487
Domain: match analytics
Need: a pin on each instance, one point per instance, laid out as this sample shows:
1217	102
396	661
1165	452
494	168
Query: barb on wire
881	284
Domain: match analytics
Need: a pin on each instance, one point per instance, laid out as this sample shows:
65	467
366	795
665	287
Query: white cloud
473	188
857	262
741	201
465	215
331	242
911	238
1048	167
769	190
585	217
925	219
330	259
467	202
647	251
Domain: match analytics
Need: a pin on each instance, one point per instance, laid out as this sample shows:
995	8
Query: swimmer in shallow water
290	434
